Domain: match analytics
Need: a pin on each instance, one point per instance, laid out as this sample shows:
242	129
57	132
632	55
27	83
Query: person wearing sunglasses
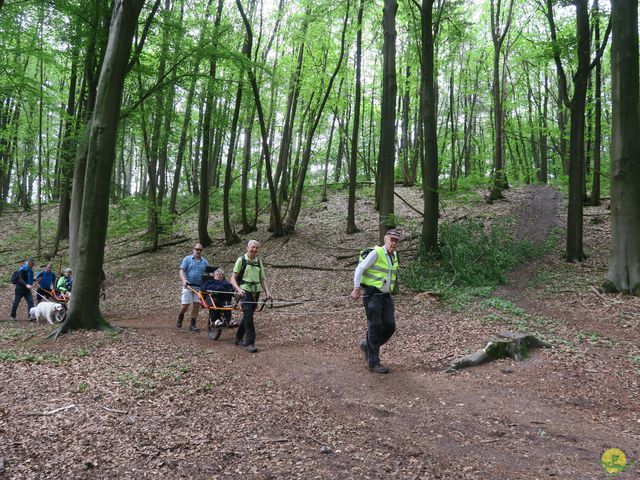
191	271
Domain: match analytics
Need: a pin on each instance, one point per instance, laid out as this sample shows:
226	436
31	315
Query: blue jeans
381	323
20	293
249	304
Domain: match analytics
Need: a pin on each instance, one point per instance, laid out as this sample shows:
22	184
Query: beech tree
624	261
387	150
84	311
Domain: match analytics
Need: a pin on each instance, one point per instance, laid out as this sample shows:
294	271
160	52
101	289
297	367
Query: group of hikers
248	281
45	284
375	280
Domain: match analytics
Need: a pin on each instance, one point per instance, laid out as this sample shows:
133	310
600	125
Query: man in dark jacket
23	287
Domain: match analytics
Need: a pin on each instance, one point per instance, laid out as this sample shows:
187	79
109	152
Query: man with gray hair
249	280
378	274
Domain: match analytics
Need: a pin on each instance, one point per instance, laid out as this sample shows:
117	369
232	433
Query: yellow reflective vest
376	275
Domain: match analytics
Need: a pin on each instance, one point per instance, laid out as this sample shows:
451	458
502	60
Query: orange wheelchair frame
208	303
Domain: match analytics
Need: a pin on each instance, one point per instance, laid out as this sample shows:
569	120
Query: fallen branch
595	290
50	412
308	267
277	440
162	245
409	205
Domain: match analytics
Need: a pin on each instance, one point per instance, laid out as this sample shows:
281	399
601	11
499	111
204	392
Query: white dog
49	311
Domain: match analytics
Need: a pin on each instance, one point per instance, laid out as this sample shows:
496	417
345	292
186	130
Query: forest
174	101
499	137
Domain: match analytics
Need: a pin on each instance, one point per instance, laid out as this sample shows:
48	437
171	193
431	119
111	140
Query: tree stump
507	344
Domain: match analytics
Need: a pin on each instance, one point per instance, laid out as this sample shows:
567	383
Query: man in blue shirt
23	287
46	283
191	271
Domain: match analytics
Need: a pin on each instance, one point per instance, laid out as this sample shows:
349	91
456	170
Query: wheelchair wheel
215	332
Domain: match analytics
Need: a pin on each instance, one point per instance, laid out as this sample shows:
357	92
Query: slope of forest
159	402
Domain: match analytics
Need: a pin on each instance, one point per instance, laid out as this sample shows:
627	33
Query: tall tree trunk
543	175
84	310
327	157
296	201
203	211
278	229
281	173
574	247
182	143
624	261
575	250
353	170
68	146
428	107
387	150
498	35
246	168
230	236
93	63
597	134
405	158
453	170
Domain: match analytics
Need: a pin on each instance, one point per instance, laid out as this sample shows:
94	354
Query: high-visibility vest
376	275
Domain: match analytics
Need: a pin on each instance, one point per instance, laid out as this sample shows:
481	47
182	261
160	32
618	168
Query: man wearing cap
23	287
378	274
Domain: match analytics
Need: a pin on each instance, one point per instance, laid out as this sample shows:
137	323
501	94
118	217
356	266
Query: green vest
376	274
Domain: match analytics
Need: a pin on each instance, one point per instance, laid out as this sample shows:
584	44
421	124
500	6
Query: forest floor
160	402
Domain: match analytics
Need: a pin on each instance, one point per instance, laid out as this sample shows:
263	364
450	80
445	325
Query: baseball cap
393	233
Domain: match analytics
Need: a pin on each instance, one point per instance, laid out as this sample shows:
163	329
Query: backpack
244	267
364	253
15	277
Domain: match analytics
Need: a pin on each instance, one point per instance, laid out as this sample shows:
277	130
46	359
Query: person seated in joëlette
222	295
65	283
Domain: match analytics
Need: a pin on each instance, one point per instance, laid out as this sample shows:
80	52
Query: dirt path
165	403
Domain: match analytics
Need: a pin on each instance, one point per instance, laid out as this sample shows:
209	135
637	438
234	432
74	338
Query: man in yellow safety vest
378	275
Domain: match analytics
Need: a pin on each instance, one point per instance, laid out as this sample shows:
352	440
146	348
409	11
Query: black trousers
20	293
381	322
249	304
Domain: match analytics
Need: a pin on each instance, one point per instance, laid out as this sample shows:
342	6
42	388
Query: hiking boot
363	347
13	318
211	335
192	326
379	368
251	349
179	322
239	343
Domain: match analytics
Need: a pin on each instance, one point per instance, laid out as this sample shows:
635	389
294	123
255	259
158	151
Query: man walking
191	271
378	274
248	281
23	287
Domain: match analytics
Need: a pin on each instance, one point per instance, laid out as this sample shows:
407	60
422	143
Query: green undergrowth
10	355
472	260
501	311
